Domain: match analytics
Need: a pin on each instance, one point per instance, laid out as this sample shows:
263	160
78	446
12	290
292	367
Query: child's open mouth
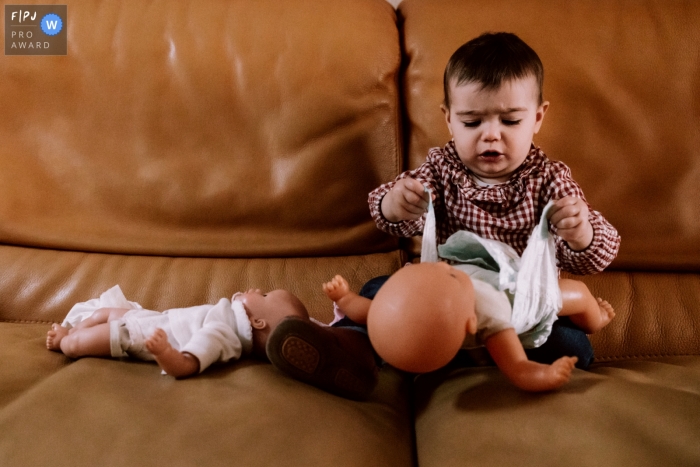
490	154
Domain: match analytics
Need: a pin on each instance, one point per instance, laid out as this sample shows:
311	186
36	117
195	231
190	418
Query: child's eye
511	122
472	124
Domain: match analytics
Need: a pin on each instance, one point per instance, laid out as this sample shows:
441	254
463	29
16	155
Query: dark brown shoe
337	360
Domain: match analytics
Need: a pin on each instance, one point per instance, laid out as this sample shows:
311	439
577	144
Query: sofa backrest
187	150
233	129
624	90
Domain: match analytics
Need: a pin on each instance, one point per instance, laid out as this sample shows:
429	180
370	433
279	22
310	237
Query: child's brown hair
491	59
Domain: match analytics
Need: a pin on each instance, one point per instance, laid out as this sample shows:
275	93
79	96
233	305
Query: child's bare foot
337	288
607	313
54	336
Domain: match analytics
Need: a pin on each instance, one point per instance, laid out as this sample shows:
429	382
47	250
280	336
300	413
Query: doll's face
419	318
266	310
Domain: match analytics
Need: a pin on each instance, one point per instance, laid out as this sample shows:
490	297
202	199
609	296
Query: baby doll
421	316
183	341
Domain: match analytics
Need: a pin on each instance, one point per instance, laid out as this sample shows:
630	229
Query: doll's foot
538	377
607	313
54	337
336	360
560	372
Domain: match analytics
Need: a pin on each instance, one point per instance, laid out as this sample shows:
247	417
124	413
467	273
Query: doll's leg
583	309
508	353
101	315
91	341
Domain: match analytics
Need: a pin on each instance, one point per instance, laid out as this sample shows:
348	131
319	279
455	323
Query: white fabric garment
212	333
537	293
112	298
531	281
429	253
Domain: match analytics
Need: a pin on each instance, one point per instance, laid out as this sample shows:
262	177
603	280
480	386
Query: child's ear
258	323
539	116
471	324
446	111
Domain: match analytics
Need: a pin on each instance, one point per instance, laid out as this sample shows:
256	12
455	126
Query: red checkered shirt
507	212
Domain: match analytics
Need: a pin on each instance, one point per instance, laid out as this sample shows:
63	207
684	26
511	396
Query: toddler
490	179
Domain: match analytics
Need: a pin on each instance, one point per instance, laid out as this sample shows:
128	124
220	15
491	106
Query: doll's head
266	311
419	318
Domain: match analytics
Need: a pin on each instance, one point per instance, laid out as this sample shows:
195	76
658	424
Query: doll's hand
570	216
337	288
406	201
158	342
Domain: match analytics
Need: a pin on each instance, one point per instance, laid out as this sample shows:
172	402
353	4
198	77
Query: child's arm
354	306
174	363
508	353
570	216
406	201
577	252
429	174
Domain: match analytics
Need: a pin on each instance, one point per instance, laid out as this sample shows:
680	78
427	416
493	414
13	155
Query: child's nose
492	132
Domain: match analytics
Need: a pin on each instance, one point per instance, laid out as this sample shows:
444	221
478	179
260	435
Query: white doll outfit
510	291
212	333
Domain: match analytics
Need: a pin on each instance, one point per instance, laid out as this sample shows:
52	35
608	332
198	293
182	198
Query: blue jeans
565	340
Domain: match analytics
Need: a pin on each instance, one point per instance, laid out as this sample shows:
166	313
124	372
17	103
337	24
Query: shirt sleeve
424	174
606	241
216	340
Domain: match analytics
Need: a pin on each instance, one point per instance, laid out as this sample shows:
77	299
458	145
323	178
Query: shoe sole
300	349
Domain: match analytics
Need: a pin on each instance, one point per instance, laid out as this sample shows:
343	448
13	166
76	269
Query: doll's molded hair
492	59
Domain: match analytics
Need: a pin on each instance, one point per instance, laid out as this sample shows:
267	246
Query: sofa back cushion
245	128
622	81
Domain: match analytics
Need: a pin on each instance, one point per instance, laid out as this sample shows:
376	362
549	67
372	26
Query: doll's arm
354	306
174	363
508	353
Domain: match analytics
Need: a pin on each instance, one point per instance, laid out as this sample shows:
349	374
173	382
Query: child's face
493	128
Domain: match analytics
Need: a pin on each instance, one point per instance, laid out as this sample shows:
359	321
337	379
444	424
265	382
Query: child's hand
337	288
570	216
406	201
158	342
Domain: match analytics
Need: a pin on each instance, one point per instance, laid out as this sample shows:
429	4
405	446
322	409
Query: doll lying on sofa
183	341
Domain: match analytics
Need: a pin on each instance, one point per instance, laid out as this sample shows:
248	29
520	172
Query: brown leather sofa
186	150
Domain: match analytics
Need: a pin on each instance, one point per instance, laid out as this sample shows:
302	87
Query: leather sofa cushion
116	413
633	413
